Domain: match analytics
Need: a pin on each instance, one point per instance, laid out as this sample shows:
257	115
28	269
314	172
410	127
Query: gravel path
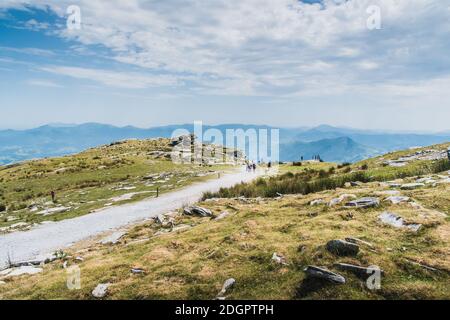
45	239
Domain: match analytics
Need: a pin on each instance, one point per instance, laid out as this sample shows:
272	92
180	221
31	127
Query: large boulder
342	248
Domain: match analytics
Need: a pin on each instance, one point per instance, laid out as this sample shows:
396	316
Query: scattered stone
101	290
342	248
322	273
426	180
137	271
18	271
159	219
65	264
317	202
336	201
51	211
223	215
412	186
422	265
367	202
79	259
388	193
2	283
397	199
359	241
38	261
398	222
226	286
356	183
395	185
198	211
128	196
358	270
279	259
443	181
113	238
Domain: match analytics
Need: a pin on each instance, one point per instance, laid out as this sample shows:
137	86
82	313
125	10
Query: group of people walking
251	166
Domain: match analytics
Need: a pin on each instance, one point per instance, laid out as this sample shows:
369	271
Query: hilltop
263	240
109	175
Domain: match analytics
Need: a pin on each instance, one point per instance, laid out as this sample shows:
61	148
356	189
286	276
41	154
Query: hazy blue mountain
342	149
61	139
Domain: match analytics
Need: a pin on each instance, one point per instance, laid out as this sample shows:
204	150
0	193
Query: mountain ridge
62	139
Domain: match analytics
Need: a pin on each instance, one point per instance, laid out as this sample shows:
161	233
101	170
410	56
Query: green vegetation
319	177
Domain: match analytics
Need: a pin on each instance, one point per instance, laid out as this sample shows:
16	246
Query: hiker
269	165
53	196
254	167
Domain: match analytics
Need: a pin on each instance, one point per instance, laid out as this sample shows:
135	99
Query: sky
375	64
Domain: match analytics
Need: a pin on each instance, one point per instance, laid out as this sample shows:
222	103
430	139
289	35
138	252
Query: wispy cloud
43	83
114	79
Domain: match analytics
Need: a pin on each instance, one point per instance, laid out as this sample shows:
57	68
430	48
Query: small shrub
2	207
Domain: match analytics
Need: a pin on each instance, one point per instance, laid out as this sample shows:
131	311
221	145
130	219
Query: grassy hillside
193	259
99	177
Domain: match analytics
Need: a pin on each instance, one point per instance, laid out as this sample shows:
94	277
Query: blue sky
278	62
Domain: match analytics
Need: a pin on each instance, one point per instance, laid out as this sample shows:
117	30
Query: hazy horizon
62	124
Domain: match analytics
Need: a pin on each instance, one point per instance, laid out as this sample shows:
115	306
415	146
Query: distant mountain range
331	143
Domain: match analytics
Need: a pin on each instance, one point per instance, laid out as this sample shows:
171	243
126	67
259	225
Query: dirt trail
45	239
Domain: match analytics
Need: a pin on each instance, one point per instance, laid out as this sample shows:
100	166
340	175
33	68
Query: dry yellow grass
194	263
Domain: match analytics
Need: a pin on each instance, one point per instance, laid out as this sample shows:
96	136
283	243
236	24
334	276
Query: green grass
324	176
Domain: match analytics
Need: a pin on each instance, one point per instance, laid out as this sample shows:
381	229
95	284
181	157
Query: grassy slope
193	264
87	181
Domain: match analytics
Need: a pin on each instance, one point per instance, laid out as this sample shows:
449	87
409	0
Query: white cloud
114	79
43	83
261	47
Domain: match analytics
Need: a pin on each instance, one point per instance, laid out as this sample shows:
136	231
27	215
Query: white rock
14	272
317	202
227	285
113	238
223	215
397	199
51	211
412	186
101	290
279	259
398	222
